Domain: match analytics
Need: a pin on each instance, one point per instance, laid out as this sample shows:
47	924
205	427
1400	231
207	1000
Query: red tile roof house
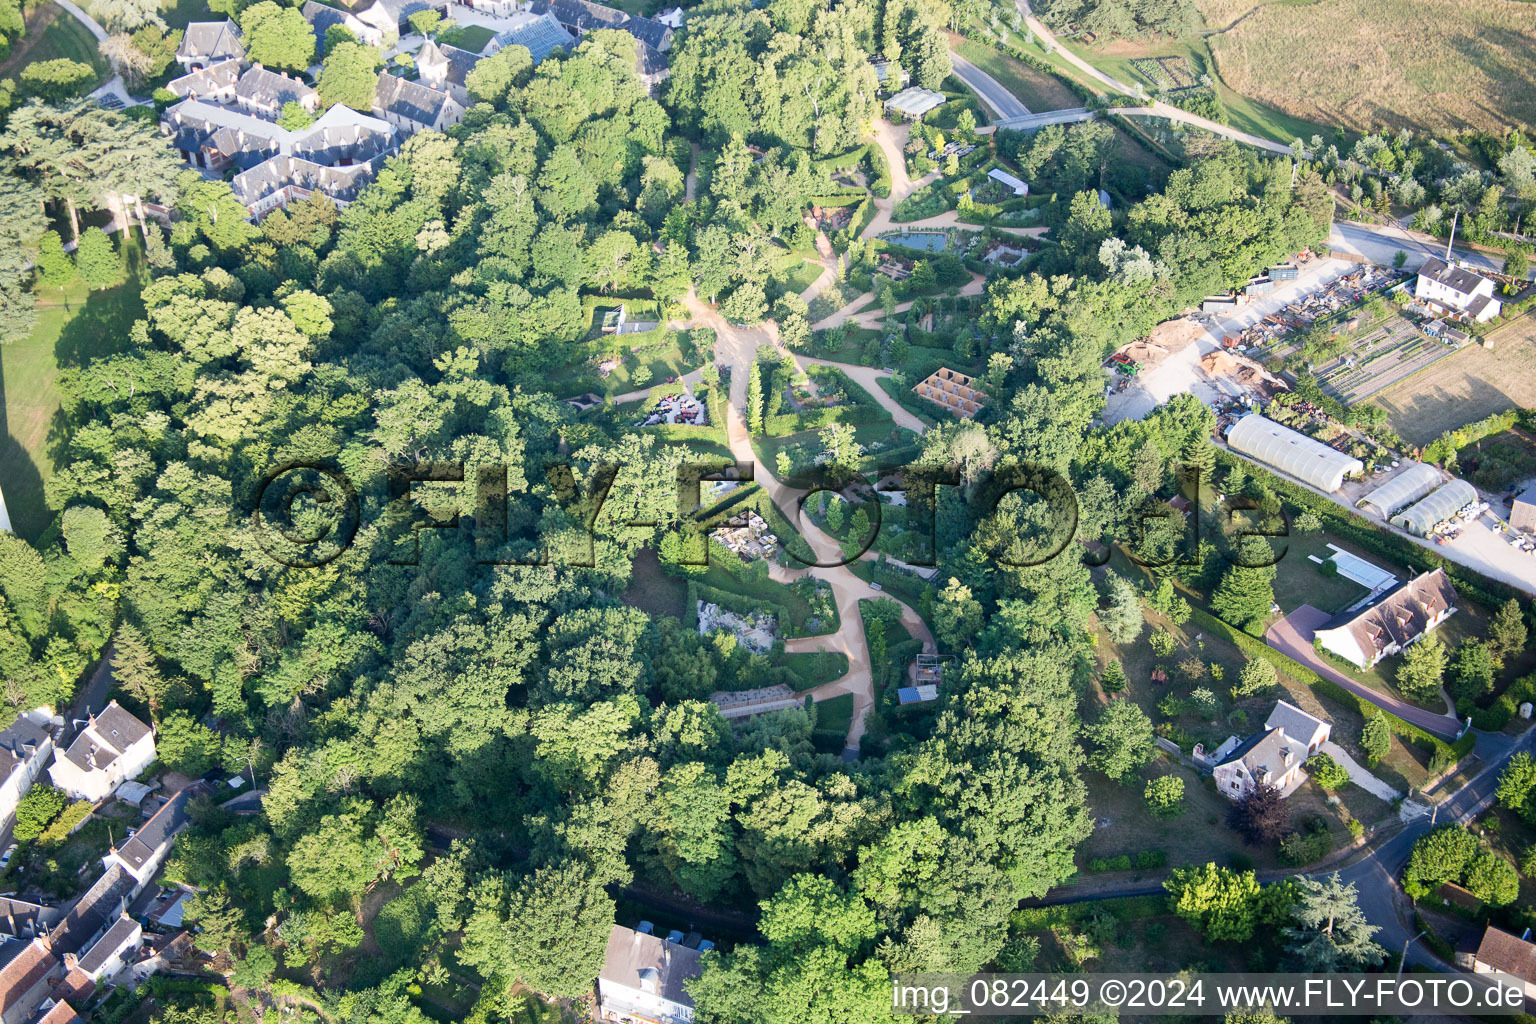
1503	953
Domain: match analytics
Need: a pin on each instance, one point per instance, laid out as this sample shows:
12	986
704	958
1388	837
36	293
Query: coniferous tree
1246	592
1331	933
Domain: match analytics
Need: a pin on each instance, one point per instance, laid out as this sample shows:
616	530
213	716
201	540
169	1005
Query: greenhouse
1293	453
1403	490
1422	518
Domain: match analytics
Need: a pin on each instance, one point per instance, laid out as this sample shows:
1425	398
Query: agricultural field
1120	59
1361	64
1465	387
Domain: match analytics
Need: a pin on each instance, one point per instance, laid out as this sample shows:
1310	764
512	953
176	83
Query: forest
513	746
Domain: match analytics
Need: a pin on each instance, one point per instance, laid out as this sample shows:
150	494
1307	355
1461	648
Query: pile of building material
755	632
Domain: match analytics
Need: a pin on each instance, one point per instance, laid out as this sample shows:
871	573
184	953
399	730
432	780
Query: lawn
675	356
51	34
73	326
1299	580
469	37
1130	828
1466	386
654	591
812	668
833	716
1433	65
1037	90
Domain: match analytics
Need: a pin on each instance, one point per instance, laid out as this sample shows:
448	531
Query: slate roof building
25	747
445	68
412	107
643	976
337	155
1291	452
205	43
322	17
1452	290
109	954
1398	618
141	856
93	913
1274	756
264	93
113	748
215	83
214	138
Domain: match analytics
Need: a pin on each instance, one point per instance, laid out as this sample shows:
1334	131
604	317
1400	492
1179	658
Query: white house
112	952
643	977
25	747
1451	290
1399	617
113	748
1273	756
143	853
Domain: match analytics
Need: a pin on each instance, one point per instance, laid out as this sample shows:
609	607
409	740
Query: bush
1327	772
37	809
1165	796
1304	847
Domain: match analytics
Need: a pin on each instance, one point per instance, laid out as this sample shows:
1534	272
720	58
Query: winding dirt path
737	347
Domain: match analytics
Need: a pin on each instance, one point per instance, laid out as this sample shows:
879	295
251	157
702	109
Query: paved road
993	93
1292	636
1380	243
1375	876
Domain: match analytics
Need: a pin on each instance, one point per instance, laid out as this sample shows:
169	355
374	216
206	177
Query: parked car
5	858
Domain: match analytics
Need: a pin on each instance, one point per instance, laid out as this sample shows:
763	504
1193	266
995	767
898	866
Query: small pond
928	241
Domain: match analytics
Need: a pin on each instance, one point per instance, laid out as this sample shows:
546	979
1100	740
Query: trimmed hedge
1125	908
1146	860
1256	648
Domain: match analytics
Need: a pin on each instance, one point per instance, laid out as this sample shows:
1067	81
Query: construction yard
1472	383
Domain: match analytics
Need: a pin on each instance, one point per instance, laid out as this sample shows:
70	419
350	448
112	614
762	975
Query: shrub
1327	772
37	809
1165	796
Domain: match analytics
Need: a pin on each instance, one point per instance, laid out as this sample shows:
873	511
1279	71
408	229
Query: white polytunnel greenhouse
1403	490
1423	517
1293	453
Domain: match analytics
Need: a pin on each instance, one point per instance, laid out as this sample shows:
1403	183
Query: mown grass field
1465	387
52	34
1439	65
74	325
